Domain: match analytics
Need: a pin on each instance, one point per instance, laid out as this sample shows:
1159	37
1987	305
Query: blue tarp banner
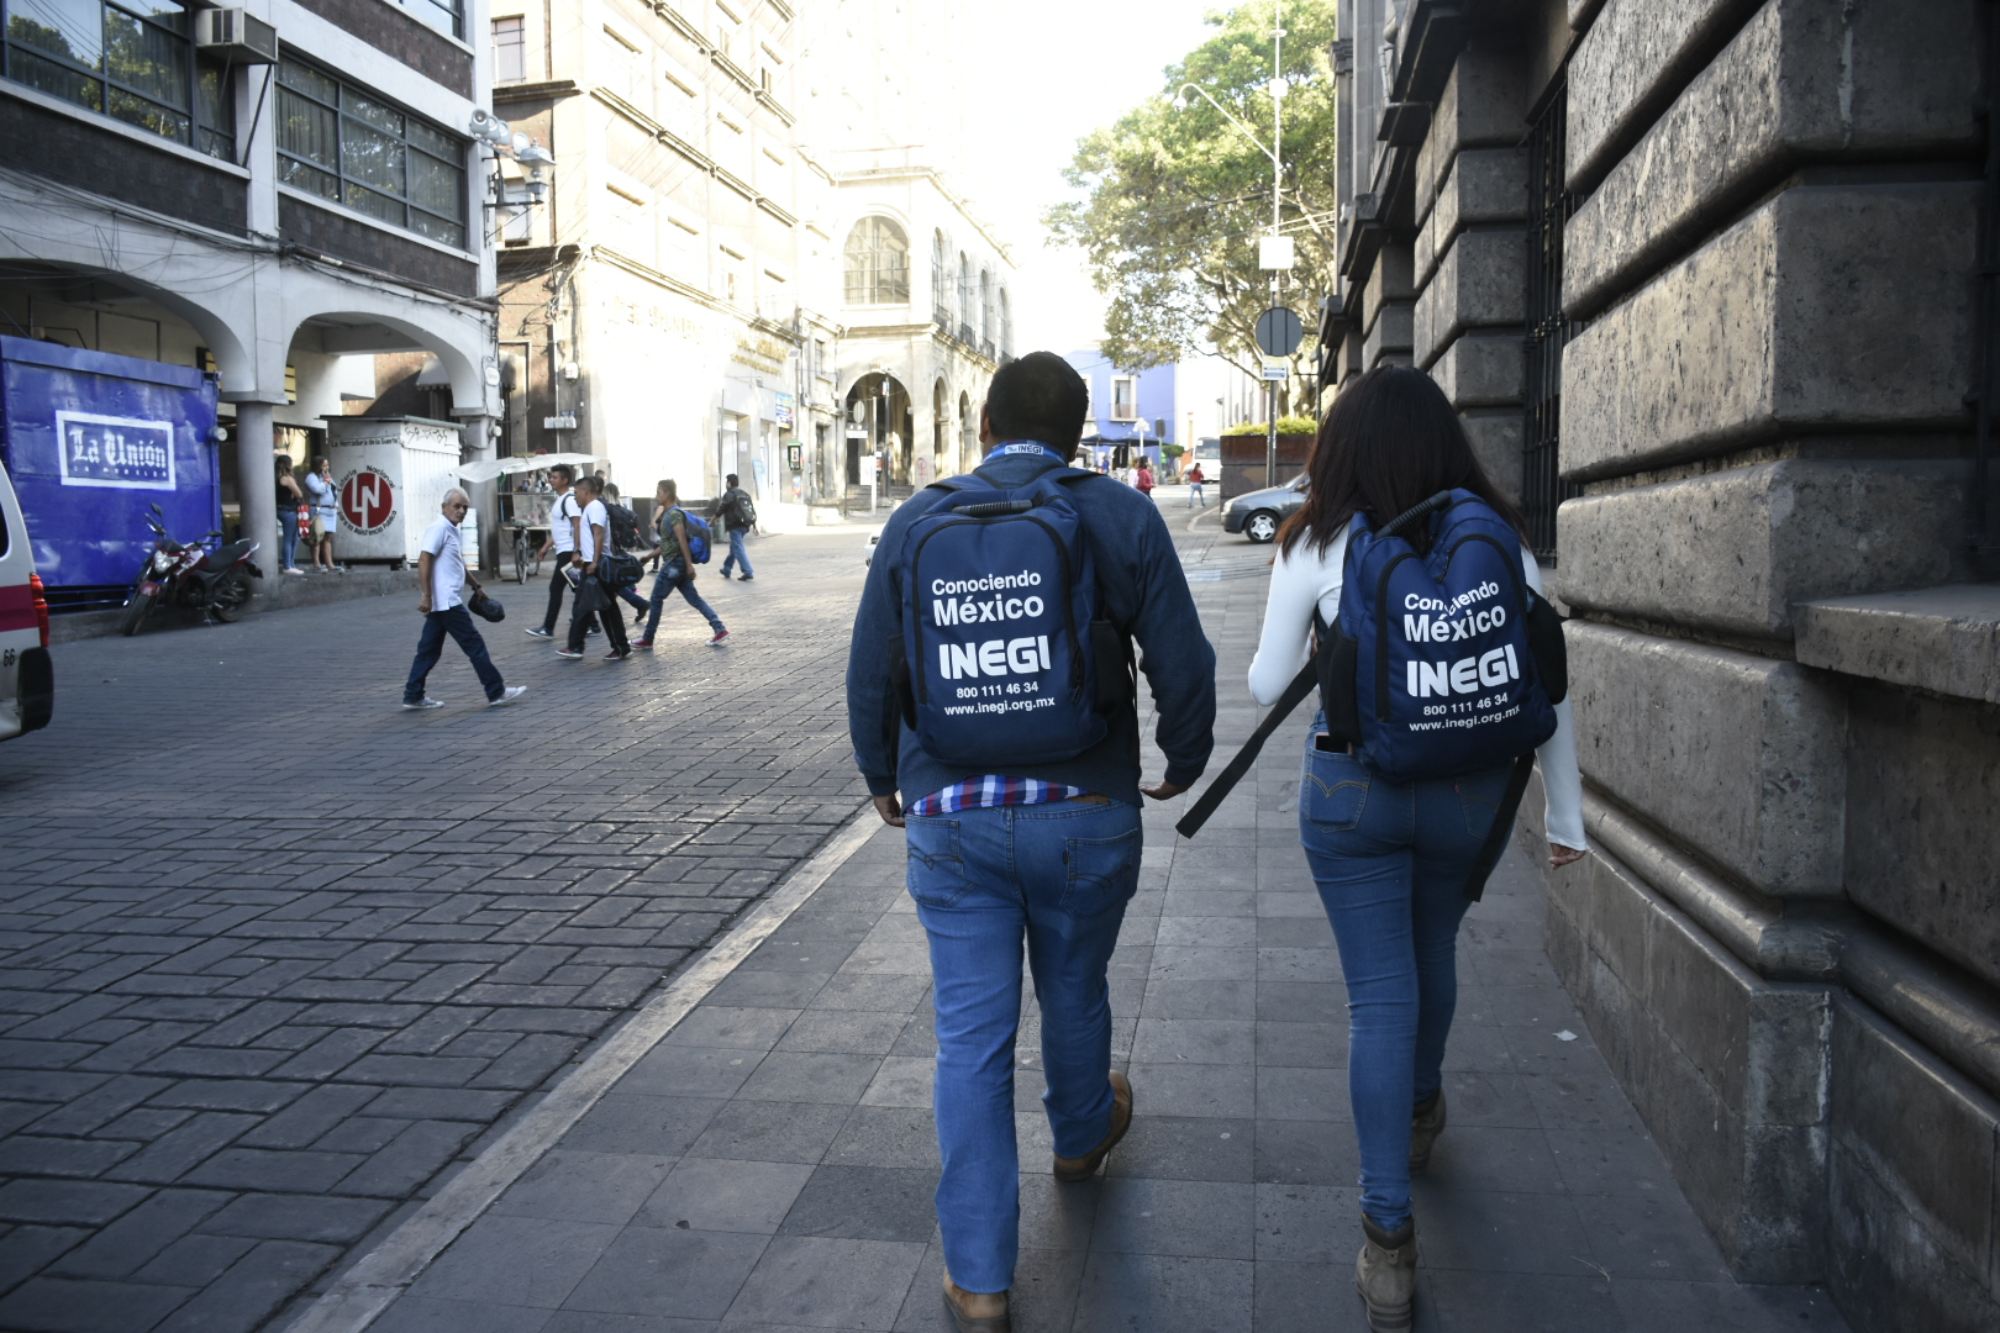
90	440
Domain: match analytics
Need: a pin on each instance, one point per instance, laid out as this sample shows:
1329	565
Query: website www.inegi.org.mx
999	706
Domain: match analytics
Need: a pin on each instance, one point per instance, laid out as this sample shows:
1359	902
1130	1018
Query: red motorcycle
191	574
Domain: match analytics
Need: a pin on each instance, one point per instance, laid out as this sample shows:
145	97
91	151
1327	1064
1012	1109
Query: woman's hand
1560	856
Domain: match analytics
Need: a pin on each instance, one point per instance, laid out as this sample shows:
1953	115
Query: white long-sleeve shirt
1307	578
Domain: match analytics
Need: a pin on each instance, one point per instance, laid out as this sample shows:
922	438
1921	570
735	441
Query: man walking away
593	538
738	514
1195	480
441	567
562	541
676	556
624	529
1023	816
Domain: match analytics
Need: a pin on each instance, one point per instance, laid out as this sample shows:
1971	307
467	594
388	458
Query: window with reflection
878	263
343	143
133	61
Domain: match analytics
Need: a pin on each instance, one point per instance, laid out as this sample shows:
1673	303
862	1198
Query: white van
27	679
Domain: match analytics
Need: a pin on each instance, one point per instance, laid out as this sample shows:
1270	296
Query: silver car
1257	514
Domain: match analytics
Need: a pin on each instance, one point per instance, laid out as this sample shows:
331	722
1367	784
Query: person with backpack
624	537
1440	686
990	687
562	543
595	588
738	514
683	543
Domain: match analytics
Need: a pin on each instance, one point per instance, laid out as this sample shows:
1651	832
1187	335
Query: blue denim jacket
1143	592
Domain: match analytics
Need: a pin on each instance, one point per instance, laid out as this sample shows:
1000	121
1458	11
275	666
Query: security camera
489	128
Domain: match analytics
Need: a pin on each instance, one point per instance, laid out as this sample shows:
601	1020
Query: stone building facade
276	223
1705	280
660	312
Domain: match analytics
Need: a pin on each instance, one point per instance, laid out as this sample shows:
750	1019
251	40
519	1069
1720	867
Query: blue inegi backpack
1437	664
1432	672
1004	658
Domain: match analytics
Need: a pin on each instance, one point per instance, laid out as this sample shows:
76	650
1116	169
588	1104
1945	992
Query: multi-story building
926	296
1131	411
1713	286
268	192
662	312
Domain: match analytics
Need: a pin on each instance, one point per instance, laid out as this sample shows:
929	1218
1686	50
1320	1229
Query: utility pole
1277	217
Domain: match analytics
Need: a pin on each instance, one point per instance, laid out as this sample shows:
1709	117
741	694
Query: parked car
27	677
1257	514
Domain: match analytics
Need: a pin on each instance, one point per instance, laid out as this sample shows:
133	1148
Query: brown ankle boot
1072	1169
976	1311
1425	1126
1386	1275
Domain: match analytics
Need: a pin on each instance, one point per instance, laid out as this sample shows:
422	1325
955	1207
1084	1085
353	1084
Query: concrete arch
357	320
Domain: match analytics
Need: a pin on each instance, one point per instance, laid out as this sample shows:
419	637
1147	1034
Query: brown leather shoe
976	1311
1072	1169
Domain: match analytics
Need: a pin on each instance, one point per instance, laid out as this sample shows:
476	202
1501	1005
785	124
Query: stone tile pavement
769	1164
275	955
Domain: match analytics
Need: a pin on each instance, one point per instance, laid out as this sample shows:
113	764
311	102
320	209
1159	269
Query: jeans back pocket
1103	873
1333	791
936	875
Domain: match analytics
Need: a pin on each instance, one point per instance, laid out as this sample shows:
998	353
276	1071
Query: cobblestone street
245	1056
277	952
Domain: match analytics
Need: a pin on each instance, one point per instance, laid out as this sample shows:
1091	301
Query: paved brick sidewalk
274	953
770	1164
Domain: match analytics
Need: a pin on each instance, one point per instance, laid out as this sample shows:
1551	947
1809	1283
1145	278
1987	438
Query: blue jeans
666	581
1060	875
457	622
736	553
288	539
1391	862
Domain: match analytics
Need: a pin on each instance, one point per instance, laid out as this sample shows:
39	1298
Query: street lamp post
1275	153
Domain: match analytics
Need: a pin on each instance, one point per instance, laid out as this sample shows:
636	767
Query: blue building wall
1157	402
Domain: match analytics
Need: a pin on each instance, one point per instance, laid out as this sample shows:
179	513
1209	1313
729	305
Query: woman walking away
1396	807
325	514
290	500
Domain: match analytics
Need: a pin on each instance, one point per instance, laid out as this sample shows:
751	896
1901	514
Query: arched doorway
941	451
879	422
968	433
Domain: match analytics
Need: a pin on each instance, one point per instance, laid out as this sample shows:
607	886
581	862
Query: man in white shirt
593	543
441	569
562	542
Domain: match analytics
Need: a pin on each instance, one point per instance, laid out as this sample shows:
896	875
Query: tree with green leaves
1177	194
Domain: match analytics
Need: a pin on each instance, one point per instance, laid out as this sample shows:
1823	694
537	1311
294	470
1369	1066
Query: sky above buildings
1052	71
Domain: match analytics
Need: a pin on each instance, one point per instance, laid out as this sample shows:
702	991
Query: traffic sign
1277	371
1279	332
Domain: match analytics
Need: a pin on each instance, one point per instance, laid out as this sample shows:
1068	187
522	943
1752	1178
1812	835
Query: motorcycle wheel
230	595
135	613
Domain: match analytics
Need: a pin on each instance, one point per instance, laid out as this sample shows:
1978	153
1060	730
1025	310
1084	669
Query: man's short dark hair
1040	397
731	479
593	484
563	470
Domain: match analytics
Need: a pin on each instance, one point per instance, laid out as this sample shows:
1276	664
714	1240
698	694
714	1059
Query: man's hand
1560	856
890	809
1166	791
424	606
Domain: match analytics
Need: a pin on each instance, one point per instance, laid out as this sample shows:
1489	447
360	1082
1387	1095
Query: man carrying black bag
441	568
594	565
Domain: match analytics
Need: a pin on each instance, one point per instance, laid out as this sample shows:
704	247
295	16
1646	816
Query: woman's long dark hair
1391	441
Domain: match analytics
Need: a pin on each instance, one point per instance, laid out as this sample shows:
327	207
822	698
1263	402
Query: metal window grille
1549	328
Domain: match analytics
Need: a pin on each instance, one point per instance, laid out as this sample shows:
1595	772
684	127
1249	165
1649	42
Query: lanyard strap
1028	447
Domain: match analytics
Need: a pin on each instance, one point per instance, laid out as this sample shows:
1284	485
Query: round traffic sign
1279	332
